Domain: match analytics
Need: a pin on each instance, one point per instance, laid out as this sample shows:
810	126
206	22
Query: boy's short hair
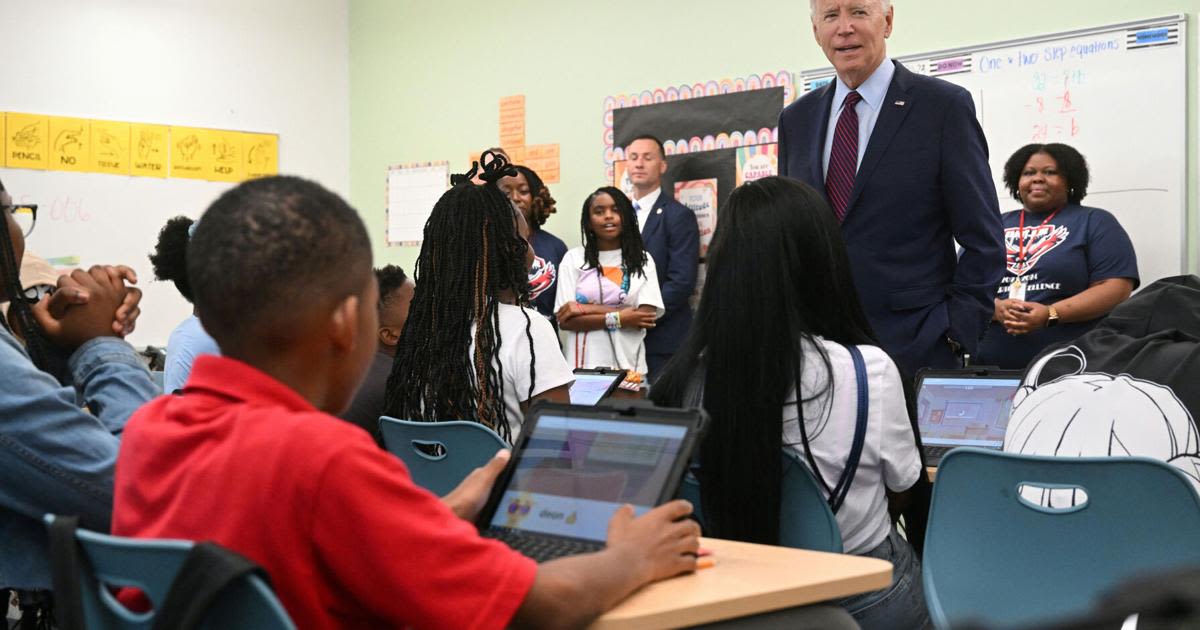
270	248
391	278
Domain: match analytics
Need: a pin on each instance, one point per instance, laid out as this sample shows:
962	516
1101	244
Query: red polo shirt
347	538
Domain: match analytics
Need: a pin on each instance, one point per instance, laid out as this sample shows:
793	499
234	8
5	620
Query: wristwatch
1052	318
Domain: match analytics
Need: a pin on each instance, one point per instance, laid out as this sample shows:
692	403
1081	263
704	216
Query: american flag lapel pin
899	103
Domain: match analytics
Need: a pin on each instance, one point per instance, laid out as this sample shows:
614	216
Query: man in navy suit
672	238
903	162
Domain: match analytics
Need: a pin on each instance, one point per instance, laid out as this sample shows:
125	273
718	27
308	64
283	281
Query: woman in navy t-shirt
1067	265
532	198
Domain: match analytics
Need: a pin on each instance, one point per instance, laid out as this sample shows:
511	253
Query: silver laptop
967	407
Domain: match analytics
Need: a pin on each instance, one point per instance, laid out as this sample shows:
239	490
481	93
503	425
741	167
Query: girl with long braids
59	458
472	349
608	291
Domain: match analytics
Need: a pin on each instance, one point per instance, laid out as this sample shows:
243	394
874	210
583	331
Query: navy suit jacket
923	184
672	238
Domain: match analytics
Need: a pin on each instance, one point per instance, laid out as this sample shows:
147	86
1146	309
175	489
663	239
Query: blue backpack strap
838	495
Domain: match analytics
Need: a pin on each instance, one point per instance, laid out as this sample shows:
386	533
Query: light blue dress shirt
186	342
872	91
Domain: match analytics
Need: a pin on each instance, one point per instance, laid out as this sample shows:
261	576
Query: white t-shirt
595	348
889	455
513	356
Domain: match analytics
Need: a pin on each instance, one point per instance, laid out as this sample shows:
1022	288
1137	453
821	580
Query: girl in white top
778	316
471	348
608	291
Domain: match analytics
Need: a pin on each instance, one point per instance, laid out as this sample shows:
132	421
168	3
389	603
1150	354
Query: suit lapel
820	122
655	217
894	109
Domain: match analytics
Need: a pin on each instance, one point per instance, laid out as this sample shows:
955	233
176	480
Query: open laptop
573	466
968	407
593	385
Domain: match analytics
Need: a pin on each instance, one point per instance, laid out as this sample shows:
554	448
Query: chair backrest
994	556
805	520
151	567
460	448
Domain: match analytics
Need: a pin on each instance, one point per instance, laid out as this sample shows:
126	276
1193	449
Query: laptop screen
588	389
575	472
961	411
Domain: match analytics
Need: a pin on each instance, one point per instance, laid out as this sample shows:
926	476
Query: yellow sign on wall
27	141
144	150
110	147
262	154
69	140
225	156
190	153
148	150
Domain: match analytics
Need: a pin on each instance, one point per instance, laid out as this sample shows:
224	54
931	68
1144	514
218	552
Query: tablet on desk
574	465
593	385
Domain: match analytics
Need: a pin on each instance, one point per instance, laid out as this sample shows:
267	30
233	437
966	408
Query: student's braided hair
633	249
18	308
471	254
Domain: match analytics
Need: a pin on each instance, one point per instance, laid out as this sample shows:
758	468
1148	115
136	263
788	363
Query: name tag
1016	290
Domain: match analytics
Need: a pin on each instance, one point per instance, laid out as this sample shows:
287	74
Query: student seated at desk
250	457
188	340
472	348
395	295
770	357
57	457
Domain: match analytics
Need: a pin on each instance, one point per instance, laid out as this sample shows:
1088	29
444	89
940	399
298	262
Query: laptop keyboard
541	548
934	454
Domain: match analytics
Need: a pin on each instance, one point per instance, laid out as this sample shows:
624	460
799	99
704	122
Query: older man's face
852	33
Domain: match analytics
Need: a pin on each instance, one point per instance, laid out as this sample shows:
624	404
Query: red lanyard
1021	232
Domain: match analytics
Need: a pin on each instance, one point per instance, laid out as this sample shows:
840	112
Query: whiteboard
412	191
105	219
1116	93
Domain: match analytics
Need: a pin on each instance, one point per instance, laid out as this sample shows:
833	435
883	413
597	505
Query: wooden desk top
748	579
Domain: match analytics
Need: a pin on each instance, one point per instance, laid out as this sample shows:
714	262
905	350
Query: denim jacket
54	456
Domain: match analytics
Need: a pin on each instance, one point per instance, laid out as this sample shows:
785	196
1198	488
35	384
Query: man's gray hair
812	6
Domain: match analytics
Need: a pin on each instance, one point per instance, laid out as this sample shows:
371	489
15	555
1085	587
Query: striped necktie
843	159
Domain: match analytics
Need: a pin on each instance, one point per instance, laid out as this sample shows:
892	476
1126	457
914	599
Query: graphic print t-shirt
1076	248
577	282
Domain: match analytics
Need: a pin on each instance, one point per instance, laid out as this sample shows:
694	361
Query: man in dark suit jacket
672	238
921	183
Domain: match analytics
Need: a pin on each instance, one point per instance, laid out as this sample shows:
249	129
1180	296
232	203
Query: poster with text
756	162
701	196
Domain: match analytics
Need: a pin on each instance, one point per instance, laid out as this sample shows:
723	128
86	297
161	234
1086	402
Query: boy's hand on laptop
86	308
468	498
660	543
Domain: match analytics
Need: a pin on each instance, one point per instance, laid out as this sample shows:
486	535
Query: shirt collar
647	202
872	91
229	378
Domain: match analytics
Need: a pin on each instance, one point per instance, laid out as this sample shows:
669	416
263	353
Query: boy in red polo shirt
250	457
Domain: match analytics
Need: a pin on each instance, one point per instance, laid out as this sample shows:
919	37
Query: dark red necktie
843	159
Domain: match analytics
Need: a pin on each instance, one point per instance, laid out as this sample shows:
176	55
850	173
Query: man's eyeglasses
25	215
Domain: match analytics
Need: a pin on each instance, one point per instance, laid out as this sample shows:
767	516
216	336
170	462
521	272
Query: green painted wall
425	77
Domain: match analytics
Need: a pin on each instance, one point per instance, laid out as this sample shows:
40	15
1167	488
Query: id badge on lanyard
1016	290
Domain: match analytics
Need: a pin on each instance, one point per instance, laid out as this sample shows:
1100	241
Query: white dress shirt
644	206
872	91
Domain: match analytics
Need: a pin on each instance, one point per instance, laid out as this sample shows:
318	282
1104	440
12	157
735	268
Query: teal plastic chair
151	566
994	557
805	520
465	446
